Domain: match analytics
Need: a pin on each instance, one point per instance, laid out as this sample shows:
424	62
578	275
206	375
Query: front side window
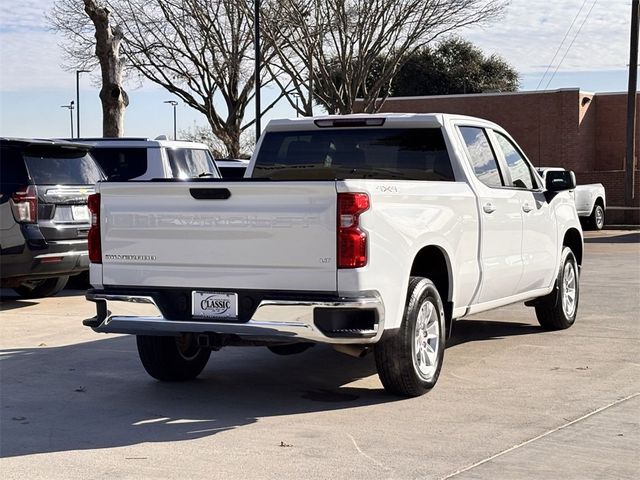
518	168
352	153
190	163
483	160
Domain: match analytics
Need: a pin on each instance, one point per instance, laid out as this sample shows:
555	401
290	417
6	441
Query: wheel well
431	262
573	240
599	201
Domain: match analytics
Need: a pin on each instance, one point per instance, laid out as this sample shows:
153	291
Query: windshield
190	163
58	167
386	153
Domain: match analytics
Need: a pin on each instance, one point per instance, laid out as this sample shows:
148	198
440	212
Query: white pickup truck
370	233
590	200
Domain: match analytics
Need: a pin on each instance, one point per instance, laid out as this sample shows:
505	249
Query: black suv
44	218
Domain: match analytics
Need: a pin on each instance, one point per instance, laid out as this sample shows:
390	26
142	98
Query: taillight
95	247
352	242
24	205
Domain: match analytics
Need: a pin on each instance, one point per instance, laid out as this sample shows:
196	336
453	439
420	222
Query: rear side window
12	170
121	163
62	167
385	153
189	163
483	160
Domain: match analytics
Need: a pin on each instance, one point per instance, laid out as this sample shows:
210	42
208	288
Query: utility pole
630	166
78	72
174	104
256	24
70	107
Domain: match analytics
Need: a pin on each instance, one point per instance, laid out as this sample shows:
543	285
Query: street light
70	107
78	72
256	24
174	104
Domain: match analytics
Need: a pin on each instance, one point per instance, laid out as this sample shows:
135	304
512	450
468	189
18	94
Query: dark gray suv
44	220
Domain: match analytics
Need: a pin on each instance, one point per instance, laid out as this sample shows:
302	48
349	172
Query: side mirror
560	180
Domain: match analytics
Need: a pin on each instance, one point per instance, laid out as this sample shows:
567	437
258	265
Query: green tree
454	66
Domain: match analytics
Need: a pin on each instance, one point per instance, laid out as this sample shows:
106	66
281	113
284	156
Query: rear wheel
558	310
41	288
409	360
172	359
596	220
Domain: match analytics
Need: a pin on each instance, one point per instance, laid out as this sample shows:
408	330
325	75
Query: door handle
526	208
489	207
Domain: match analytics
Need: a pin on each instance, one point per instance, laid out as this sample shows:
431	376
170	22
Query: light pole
78	72
70	107
174	104
629	193
256	24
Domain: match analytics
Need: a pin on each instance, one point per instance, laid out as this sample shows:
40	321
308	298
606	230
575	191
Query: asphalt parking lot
512	402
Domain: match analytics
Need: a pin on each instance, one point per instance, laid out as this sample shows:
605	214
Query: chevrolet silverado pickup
366	232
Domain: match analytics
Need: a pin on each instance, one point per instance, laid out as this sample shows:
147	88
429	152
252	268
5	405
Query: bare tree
199	50
203	134
312	39
99	42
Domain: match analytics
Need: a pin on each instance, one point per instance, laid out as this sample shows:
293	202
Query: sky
33	85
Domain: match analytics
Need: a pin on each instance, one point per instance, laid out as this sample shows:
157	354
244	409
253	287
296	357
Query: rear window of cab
352	153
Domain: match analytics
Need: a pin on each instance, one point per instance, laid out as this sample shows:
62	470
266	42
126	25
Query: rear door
220	235
501	219
64	178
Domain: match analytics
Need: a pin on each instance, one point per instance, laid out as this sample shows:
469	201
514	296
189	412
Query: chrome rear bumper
276	320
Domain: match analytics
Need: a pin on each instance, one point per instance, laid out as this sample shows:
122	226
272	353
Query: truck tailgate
265	235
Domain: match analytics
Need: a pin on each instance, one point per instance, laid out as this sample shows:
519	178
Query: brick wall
576	130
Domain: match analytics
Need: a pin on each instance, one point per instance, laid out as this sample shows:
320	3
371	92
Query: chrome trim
273	319
63	254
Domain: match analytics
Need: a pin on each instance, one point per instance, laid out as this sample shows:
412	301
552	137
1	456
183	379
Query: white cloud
23	15
29	51
532	30
527	37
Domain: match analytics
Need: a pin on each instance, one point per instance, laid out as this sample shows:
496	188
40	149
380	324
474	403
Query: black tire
596	219
42	288
395	354
172	359
290	349
552	311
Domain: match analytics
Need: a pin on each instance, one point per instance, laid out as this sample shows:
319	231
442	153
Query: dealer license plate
214	305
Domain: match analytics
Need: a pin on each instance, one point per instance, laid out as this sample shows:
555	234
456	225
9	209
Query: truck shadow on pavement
97	395
465	331
12	303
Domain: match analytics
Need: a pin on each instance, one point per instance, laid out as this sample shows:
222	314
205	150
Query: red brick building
584	132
